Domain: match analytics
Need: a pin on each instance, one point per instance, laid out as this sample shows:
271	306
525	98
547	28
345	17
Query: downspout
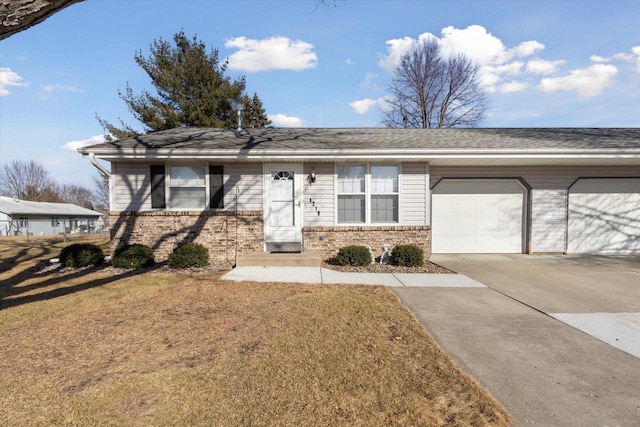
101	169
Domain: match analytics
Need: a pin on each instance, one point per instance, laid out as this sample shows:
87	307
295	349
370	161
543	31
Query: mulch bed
45	267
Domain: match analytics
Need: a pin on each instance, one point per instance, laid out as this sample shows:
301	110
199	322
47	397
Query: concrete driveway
553	337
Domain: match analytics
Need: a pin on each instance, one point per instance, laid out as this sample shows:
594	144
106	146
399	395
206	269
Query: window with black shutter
216	187
158	199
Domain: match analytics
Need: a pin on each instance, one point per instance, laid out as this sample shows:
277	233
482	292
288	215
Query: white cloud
74	145
349	61
527	48
587	82
369	81
476	43
48	90
542	66
9	78
281	120
513	86
362	106
636	52
274	53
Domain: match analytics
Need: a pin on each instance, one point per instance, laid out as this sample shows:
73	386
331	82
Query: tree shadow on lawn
9	288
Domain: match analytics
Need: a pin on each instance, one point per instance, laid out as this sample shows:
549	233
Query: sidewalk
327	276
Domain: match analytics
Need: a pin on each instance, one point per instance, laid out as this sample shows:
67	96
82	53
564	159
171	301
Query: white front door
282	203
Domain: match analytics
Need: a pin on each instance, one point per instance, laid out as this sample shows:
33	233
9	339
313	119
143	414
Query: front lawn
162	348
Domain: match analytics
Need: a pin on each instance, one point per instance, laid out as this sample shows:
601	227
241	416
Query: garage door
604	216
477	216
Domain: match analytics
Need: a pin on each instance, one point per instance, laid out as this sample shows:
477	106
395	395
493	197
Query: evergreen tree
192	90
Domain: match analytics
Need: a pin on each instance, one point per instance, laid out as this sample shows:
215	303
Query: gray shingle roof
354	139
12	206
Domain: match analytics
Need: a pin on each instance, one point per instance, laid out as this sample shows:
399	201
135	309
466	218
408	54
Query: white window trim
367	194
168	186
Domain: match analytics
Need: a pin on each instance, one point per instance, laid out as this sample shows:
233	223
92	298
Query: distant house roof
11	206
442	146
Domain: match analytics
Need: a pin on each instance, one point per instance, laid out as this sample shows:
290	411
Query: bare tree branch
429	91
18	15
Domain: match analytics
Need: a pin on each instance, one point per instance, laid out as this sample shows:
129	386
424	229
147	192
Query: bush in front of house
354	255
81	255
133	256
408	255
189	255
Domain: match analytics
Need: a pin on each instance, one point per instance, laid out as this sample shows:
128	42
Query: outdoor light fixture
312	176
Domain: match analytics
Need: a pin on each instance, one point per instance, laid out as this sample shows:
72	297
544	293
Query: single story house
21	217
515	190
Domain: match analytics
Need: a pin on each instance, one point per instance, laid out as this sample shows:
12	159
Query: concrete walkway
325	275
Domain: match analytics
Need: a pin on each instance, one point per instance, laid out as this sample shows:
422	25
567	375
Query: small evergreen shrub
408	255
81	255
189	255
357	256
133	256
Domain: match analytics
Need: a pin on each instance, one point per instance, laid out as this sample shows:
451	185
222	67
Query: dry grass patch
188	349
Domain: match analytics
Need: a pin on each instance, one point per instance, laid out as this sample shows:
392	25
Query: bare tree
27	181
430	91
18	15
75	194
100	194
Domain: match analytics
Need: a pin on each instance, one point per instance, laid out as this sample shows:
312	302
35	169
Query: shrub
81	255
358	256
408	255
133	256
189	255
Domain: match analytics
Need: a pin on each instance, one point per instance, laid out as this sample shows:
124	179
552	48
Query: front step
279	259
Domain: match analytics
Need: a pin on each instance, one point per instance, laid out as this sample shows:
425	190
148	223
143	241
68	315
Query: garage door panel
604	216
487	216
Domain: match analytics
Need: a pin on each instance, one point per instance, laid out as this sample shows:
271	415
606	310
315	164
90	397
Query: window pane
185	197
187	175
350	179
350	208
384	208
384	179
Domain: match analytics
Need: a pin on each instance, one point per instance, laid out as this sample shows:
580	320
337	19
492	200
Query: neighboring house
19	217
445	190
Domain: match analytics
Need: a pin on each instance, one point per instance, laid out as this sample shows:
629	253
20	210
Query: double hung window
187	187
367	194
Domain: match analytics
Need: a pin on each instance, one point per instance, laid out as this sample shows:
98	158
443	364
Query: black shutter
157	187
216	187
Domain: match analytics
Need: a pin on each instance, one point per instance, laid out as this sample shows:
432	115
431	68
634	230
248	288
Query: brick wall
163	231
329	240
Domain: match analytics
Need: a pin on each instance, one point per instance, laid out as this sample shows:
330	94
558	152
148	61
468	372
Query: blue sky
544	63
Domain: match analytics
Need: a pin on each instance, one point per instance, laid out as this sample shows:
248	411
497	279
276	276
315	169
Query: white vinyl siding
548	220
318	197
415	194
243	180
131	187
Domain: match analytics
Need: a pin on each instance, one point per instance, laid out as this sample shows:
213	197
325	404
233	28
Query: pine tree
192	90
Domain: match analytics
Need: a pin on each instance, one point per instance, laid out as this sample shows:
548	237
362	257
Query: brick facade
329	240
215	230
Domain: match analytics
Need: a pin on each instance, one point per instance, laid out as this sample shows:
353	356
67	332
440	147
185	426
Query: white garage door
477	216
604	216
